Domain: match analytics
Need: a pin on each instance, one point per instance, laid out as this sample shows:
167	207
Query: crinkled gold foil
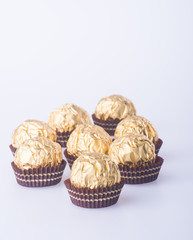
136	125
38	152
94	170
133	150
66	118
114	107
88	138
31	129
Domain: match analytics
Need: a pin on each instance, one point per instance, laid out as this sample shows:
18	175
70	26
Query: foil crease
114	107
94	170
67	117
88	138
38	152
133	150
31	129
136	125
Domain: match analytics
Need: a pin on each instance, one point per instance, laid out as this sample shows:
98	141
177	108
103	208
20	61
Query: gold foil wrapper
67	117
31	129
114	107
94	170
38	152
136	125
133	150
88	138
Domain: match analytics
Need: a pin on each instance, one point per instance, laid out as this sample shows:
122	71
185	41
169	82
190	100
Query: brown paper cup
70	159
39	177
109	126
13	150
158	145
139	175
62	138
94	198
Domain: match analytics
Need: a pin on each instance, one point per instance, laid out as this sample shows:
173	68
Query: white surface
55	52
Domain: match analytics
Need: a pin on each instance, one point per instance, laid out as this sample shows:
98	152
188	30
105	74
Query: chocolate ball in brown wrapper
95	181
138	125
87	138
111	110
136	158
65	119
31	129
38	163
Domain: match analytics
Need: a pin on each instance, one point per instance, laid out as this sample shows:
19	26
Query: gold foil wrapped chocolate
38	152
94	170
133	150
31	129
88	138
114	107
136	125
67	117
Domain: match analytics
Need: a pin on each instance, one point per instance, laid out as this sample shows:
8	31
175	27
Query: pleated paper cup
94	198
39	177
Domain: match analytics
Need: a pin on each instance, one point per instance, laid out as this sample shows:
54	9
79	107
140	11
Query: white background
78	51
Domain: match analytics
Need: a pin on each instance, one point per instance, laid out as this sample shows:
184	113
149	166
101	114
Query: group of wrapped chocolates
119	148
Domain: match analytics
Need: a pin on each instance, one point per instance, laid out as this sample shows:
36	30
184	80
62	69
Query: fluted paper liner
94	198
13	149
70	159
158	145
139	175
39	177
109	126
62	138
